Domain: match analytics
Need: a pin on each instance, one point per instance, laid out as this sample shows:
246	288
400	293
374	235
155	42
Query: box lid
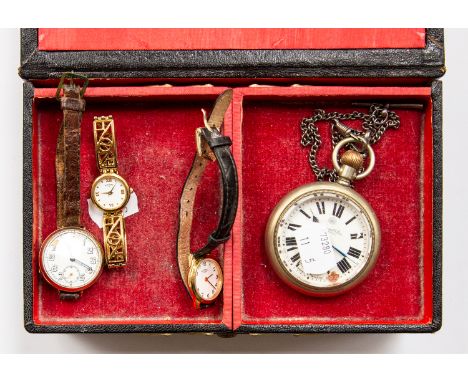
233	53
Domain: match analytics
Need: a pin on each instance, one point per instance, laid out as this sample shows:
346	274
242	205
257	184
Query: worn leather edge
437	239
126	328
313	329
28	93
425	63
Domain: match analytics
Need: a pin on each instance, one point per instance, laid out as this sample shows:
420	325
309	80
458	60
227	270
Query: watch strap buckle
70	76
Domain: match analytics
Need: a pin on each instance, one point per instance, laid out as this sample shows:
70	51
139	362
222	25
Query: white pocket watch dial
71	259
323	238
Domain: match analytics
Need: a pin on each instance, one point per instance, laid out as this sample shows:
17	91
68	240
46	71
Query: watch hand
112	189
206	279
72	259
343	254
337	250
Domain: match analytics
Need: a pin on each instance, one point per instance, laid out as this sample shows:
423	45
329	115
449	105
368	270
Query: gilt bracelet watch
110	192
70	257
201	274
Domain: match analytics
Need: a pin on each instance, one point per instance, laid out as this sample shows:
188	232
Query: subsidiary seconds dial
323	239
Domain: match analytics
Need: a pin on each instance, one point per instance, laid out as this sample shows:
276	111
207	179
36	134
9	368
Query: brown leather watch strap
187	201
67	160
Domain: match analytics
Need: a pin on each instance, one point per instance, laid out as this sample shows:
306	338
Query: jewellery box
154	82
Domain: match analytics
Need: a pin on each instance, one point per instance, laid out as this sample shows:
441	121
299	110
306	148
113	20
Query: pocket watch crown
352	159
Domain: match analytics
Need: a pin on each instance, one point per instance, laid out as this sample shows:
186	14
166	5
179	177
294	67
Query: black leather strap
219	144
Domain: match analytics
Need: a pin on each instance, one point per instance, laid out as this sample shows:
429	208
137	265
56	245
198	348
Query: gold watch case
44	272
194	264
128	190
278	213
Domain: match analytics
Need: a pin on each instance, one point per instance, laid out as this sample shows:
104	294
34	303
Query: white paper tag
315	249
96	214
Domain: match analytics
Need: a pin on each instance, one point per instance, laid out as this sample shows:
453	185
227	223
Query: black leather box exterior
427	63
400	66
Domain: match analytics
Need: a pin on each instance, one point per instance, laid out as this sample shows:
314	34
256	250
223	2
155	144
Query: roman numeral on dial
350	220
354	252
320	207
291	243
355	236
305	214
295	258
314	219
338	210
293	227
343	265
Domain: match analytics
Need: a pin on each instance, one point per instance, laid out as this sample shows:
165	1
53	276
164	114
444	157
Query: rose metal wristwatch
70	257
110	192
201	274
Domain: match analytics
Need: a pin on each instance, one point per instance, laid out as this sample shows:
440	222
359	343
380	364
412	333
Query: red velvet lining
229	38
154	127
271	162
155	135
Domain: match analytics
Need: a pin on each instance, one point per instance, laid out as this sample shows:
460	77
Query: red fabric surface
272	162
155	126
229	38
155	136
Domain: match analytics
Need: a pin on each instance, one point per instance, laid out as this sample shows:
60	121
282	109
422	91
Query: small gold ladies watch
110	192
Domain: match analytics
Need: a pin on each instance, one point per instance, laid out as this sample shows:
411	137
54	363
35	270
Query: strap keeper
214	139
219	142
75	104
217	241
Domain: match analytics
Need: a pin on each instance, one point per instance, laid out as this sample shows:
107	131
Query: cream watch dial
323	240
208	279
71	259
110	192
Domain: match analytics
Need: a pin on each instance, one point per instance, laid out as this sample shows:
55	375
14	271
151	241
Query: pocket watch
70	258
201	273
110	192
323	238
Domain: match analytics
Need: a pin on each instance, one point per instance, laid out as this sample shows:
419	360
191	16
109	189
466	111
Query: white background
453	337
